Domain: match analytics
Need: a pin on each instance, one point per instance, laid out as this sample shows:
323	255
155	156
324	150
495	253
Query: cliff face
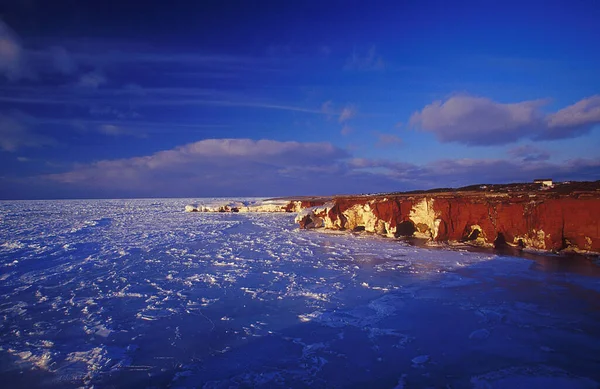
536	220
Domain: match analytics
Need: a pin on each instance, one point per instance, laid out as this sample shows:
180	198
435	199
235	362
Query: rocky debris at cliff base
313	217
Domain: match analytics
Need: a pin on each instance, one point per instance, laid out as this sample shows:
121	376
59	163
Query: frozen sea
139	294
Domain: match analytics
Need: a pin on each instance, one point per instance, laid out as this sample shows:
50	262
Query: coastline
562	218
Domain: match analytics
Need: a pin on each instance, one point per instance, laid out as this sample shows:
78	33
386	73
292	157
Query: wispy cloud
280	51
112	112
77	55
325	50
262	105
529	153
346	130
481	121
16	133
138	126
92	80
343	115
62	60
365	61
11	53
157	55
114	130
348	112
73	94
388	140
17	62
141	97
327	108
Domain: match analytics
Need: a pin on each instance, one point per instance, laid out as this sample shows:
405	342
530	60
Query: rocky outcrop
275	205
547	220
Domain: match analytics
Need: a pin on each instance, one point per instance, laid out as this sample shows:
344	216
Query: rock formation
274	205
563	218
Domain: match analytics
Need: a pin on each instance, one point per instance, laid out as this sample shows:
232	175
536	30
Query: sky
114	99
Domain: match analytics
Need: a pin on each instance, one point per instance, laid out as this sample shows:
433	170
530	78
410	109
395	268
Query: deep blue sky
265	98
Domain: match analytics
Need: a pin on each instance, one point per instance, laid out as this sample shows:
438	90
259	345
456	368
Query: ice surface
137	293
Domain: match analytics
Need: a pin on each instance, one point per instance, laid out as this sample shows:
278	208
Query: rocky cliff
563	218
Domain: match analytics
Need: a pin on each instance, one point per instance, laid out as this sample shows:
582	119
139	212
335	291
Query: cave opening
305	222
474	234
359	228
406	228
500	241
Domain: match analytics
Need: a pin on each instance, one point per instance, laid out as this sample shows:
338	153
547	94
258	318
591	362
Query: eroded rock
545	221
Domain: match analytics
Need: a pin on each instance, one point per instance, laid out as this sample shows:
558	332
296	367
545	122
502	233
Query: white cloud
271	168
478	120
244	167
574	119
210	163
481	121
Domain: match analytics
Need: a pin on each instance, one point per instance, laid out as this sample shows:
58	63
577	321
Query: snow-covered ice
138	293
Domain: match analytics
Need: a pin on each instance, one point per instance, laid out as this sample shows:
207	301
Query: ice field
140	294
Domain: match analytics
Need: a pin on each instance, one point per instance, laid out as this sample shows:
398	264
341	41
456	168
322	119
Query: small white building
545	182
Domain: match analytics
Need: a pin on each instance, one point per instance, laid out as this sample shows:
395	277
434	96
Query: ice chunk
421	359
480	334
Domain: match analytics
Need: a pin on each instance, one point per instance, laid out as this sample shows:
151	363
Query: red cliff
566	217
